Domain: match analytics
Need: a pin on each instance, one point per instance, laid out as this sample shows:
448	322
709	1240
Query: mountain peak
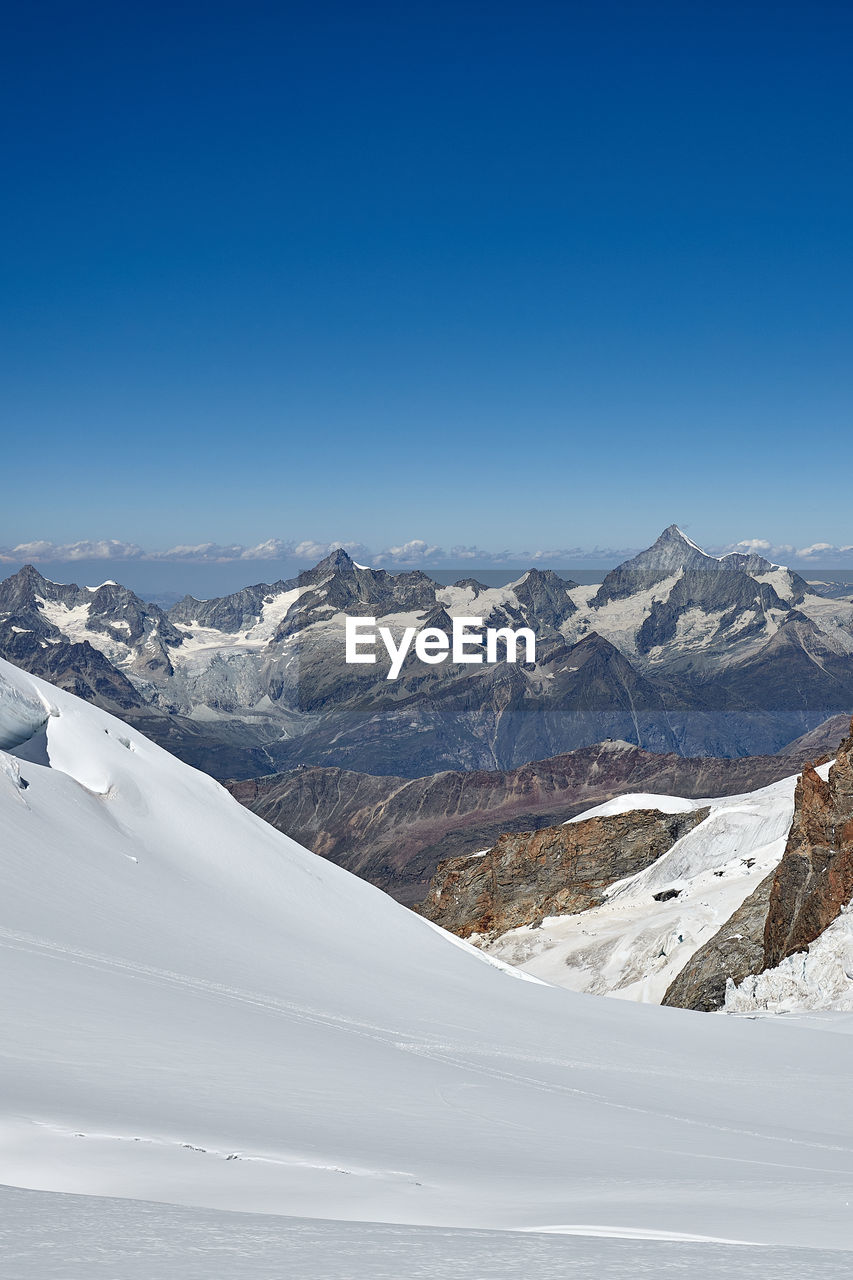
21	589
338	560
28	573
672	535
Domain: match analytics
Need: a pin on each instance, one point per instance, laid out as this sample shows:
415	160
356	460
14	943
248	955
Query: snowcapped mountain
197	1011
676	650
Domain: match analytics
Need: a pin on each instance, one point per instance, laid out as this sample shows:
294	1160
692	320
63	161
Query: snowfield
198	1012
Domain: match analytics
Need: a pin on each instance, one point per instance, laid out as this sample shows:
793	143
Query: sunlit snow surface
197	1011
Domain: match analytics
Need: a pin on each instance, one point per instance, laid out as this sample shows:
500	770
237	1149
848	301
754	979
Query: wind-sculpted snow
198	1011
22	715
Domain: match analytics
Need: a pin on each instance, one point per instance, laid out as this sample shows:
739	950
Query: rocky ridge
814	880
393	831
796	903
560	870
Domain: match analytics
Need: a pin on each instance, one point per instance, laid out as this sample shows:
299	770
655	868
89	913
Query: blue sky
514	277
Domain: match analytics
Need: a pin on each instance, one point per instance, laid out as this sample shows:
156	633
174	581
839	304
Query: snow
835	617
98	1238
207	642
74	625
779	579
618	620
22	713
633	800
819	978
632	946
201	1013
467	602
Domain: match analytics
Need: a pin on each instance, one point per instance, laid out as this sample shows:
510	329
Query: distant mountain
676	650
394	831
94	642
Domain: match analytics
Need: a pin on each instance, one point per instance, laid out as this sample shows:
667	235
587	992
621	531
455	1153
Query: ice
818	978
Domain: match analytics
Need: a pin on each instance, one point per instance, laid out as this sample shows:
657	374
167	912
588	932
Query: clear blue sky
515	275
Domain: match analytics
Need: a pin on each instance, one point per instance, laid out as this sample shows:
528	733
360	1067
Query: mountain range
675	651
393	831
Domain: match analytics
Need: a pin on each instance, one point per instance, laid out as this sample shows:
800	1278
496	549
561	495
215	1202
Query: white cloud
414	551
826	554
816	549
748	545
101	549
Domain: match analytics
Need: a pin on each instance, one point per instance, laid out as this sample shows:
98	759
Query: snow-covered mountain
676	650
198	1011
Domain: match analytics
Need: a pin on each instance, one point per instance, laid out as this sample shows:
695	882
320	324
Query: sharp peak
29	573
337	559
672	533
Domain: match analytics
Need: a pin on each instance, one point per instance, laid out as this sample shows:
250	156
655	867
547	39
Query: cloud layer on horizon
411	553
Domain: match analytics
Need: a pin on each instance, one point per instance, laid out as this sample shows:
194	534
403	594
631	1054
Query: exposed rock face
820	744
814	880
795	903
544	597
79	668
557	871
726	591
394	831
737	949
670	554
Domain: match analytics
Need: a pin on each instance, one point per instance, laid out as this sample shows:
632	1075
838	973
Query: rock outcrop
737	949
814	880
792	906
394	831
557	871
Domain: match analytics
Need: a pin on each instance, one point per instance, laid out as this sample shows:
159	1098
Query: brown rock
557	871
394	831
735	950
814	880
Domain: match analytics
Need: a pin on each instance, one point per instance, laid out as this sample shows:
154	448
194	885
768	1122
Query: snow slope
198	1011
633	945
